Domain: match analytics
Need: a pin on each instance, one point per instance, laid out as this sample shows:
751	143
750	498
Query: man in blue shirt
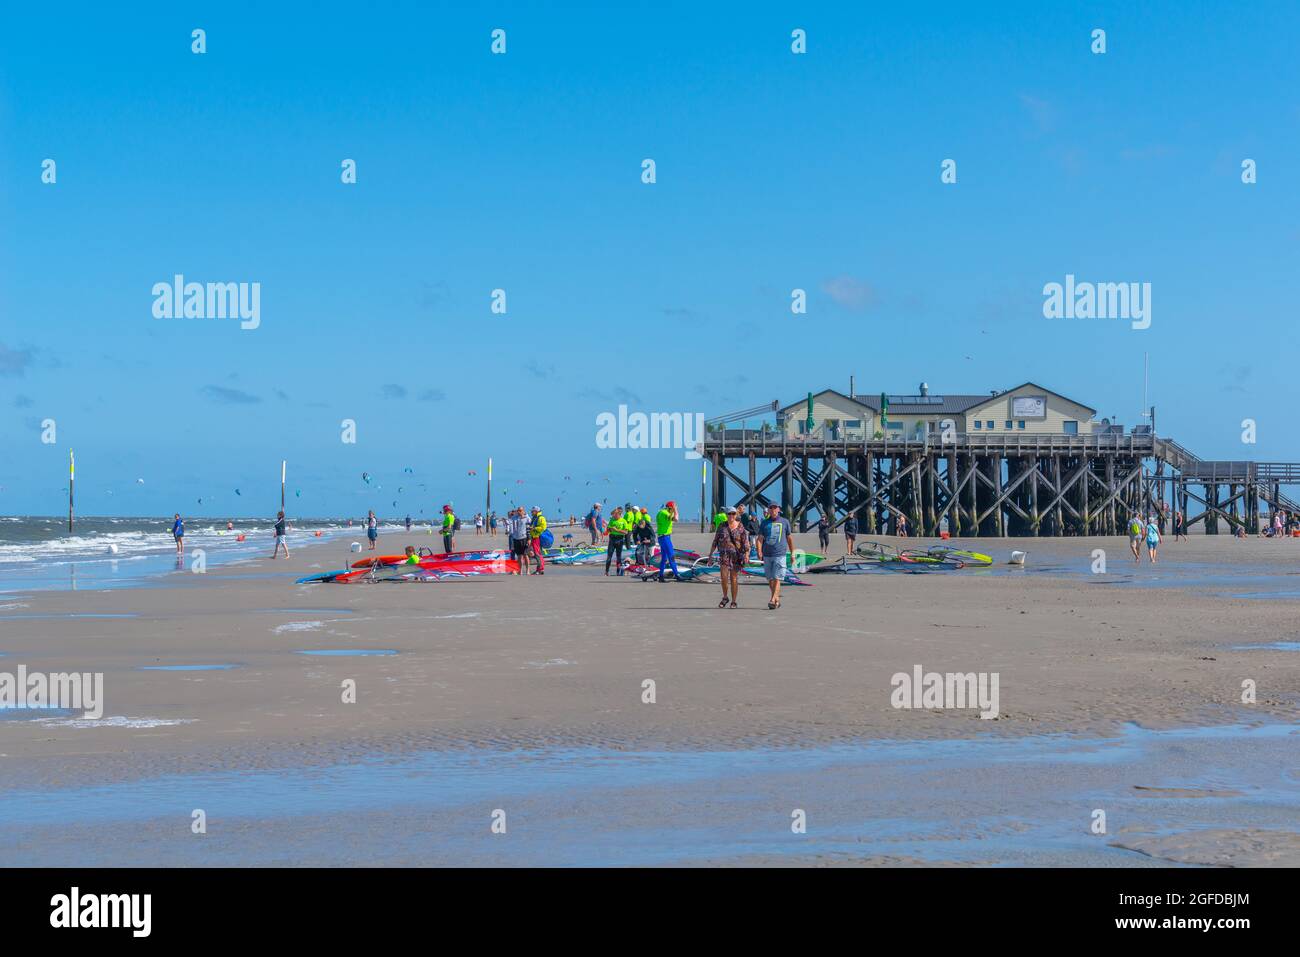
178	533
778	541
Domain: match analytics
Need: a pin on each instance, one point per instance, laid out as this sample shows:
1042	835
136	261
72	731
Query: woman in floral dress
731	543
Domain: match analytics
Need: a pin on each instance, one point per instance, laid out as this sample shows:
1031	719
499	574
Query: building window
990	424
853	423
895	426
1008	425
1020	424
978	424
1071	428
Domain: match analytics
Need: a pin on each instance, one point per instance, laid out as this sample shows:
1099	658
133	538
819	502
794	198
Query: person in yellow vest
664	528
448	529
535	529
620	530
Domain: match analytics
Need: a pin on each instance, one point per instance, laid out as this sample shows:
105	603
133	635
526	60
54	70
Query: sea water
992	800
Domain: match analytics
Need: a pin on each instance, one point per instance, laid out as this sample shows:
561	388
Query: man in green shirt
664	526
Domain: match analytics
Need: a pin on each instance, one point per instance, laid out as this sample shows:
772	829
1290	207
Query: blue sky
522	172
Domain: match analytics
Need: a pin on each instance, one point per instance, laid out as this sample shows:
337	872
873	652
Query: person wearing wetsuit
448	529
618	531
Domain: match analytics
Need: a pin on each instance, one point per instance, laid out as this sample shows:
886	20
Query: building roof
929	404
990	398
923	404
803	403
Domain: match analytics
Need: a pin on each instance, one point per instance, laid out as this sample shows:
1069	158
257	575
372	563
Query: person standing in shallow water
281	527
1153	538
178	533
1135	532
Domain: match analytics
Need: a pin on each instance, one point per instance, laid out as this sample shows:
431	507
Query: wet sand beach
214	684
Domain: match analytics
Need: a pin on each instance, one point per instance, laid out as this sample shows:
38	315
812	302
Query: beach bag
546	539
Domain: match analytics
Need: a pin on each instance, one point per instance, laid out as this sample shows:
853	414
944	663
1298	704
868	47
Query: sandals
734	605
723	603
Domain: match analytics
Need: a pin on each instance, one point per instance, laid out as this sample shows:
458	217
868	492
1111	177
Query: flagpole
704	467
72	478
489	488
283	465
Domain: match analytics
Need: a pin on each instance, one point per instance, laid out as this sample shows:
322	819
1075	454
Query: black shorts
518	546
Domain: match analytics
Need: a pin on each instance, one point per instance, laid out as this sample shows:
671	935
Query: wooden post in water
704	516
72	478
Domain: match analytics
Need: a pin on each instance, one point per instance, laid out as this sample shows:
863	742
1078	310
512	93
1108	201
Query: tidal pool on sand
1024	800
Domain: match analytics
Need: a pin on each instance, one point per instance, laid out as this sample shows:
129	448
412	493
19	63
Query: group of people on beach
281	534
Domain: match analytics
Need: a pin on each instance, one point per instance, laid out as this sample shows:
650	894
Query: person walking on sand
850	532
1153	538
517	532
478	523
535	528
824	533
664	528
372	529
1180	526
731	545
619	529
178	533
778	542
900	526
449	523
1135	533
281	526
